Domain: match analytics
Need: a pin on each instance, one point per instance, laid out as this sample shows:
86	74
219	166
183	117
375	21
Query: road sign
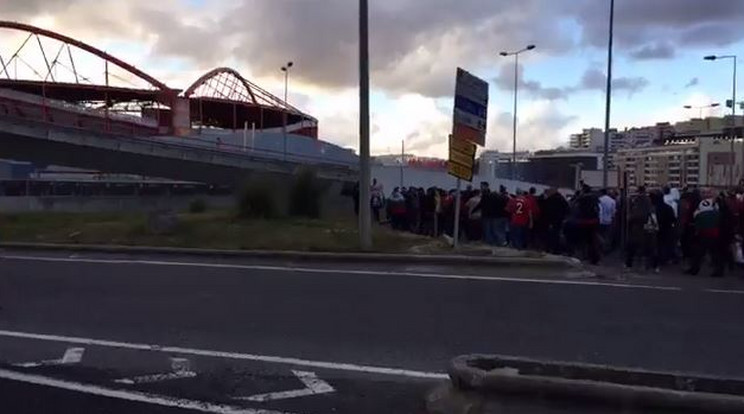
470	118
461	158
460	171
471	108
462	146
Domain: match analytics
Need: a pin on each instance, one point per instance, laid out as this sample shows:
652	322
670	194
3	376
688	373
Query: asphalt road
377	336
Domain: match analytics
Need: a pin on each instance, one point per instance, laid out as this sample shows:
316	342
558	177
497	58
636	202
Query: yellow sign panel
460	145
460	171
460	158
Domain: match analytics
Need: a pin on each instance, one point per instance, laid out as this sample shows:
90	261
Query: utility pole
402	161
365	213
285	69
733	114
608	100
516	99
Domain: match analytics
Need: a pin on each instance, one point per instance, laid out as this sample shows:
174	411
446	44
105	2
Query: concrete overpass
44	143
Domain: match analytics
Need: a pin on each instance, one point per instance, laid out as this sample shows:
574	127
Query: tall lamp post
700	108
733	112
286	69
608	99
365	211
516	92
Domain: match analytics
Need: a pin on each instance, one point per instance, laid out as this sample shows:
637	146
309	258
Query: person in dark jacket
640	224
428	211
688	203
355	197
587	224
554	212
665	238
493	214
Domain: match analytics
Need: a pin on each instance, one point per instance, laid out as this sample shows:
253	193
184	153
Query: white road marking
336	366
341	271
148	379
180	369
71	356
132	396
313	386
730	292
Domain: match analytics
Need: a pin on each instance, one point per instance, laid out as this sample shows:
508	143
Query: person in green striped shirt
707	220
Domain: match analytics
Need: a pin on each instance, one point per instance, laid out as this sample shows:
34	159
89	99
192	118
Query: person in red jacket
520	210
531	198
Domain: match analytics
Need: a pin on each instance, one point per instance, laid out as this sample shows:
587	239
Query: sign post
470	118
456	230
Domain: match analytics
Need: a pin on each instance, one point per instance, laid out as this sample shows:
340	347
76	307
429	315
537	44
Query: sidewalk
612	267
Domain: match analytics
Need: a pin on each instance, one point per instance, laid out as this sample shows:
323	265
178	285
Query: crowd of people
662	227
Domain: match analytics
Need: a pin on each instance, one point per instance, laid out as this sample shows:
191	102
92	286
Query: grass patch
214	230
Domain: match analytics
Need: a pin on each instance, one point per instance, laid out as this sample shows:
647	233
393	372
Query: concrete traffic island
496	384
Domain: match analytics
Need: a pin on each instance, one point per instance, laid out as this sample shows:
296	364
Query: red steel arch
224	98
227	83
84	46
216	73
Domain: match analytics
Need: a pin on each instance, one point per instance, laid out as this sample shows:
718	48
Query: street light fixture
516	92
700	108
286	69
733	110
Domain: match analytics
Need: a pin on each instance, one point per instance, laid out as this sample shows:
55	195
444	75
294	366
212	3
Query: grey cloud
693	82
175	38
417	141
592	79
505	81
595	79
414	47
655	51
24	8
415	44
681	22
631	85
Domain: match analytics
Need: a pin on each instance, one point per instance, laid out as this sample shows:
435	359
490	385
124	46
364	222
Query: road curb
502	261
475	379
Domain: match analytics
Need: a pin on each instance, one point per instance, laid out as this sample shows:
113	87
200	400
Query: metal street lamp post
608	99
516	92
733	112
365	211
286	69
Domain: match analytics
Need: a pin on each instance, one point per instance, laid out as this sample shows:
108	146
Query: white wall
390	178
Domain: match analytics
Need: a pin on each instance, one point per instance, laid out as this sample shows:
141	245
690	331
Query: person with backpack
643	229
377	199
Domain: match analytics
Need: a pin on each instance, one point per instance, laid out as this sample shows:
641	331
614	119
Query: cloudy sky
416	46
